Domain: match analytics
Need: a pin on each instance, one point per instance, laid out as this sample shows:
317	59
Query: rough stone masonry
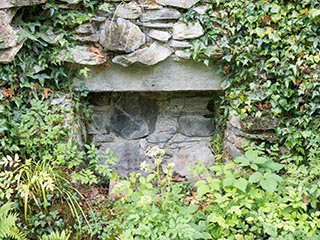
151	94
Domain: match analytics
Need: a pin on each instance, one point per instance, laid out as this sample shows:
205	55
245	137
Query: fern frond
8	228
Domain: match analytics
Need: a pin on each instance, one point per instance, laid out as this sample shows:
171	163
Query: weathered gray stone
89	38
231	150
179	44
134	117
86	28
162	36
166	123
121	35
130	10
86	33
182	54
6	16
129	154
178	3
162	14
71	1
201	9
155	24
188	154
8	36
99	123
85	55
188	75
18	3
129	127
253	124
7	55
52	36
148	56
99	139
158	138
183	31
99	19
195	126
149	5
139	121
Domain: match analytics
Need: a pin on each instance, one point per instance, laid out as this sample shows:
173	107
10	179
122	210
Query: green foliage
96	166
8	228
45	222
151	207
38	125
270	55
253	201
56	236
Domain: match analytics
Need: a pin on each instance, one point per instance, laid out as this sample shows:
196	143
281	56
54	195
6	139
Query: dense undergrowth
271	60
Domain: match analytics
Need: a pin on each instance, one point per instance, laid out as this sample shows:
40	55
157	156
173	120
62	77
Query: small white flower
145	200
155	152
144	166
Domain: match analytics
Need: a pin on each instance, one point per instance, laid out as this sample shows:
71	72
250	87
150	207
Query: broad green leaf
203	189
150	177
273	177
215	218
268	184
243	161
241	184
235	209
274	166
251	154
228	180
215	184
256	177
189	209
260	160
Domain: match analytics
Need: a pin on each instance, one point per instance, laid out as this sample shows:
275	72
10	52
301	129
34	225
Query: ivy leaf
226	83
314	12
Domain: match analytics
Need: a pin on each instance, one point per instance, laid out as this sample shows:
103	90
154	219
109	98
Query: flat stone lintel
169	75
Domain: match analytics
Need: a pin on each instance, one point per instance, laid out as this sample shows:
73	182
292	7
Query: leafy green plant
96	167
56	236
8	228
270	56
152	206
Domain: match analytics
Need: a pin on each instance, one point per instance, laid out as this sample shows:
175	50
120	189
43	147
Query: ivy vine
271	59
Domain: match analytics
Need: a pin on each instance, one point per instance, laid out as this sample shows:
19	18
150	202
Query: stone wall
239	133
131	123
144	31
144	90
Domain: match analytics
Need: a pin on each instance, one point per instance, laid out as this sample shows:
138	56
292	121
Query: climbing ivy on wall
271	54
